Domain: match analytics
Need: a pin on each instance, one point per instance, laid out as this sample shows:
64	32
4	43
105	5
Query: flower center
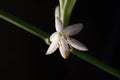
64	36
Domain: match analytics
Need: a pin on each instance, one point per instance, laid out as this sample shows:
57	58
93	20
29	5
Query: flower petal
53	36
64	49
57	12
73	29
52	47
78	45
58	25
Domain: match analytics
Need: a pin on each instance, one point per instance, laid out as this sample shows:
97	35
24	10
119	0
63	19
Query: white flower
61	39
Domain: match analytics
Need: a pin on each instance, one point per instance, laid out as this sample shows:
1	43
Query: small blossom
62	39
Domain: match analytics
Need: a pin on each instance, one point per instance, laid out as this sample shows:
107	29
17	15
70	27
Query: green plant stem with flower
66	7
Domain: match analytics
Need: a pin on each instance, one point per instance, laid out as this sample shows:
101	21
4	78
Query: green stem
20	23
61	2
66	7
97	63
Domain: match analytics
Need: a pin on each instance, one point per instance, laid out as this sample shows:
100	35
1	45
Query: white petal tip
84	49
57	12
47	53
65	55
77	45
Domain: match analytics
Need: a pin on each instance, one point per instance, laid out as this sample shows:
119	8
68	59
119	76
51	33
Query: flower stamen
65	53
59	44
65	37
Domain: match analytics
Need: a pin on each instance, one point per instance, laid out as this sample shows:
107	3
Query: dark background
22	55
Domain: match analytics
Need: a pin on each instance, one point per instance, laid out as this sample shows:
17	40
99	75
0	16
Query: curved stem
28	27
97	63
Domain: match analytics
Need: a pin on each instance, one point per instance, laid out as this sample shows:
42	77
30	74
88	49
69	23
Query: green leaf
22	24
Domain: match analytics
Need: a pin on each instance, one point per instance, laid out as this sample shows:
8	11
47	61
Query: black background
22	55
